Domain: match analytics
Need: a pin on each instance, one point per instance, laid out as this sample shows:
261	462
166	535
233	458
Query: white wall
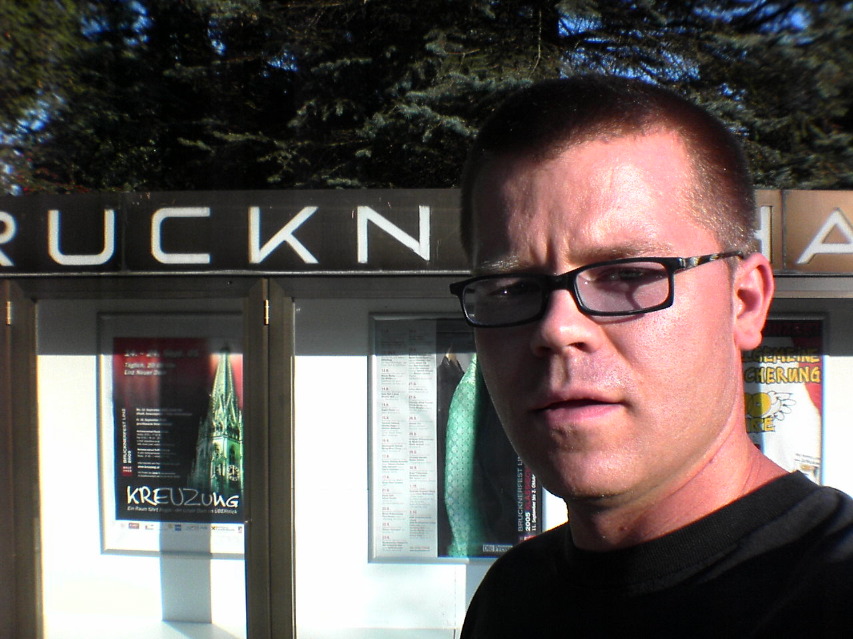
89	594
332	480
838	382
332	492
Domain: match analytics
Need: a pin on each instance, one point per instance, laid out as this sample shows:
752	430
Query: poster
172	433
783	385
445	481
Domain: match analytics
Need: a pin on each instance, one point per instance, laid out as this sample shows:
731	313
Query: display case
225	414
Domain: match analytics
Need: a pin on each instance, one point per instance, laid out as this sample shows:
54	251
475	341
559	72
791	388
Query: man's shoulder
512	600
802	562
532	565
820	525
789	545
545	548
817	513
780	524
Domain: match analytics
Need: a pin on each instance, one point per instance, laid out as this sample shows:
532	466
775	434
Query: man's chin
589	493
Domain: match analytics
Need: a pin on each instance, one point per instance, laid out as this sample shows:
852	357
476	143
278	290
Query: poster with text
445	481
783	385
173	426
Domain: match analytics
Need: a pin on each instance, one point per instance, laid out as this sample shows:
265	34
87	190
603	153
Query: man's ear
753	293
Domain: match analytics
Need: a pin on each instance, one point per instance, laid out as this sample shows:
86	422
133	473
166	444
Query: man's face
608	408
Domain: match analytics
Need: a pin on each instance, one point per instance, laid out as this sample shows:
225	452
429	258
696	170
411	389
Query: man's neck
738	469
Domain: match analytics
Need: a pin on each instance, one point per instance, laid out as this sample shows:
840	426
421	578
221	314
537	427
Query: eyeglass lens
630	286
613	288
503	300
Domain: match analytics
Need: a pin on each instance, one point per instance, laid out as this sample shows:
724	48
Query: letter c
157	220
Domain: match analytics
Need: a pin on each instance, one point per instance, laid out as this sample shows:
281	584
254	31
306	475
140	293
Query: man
609	225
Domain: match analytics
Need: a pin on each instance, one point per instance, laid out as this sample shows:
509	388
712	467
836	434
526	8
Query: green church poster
172	468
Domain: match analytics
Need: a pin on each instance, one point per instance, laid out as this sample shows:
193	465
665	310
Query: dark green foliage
38	42
248	94
390	92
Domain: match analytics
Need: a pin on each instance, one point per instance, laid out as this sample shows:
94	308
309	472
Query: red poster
178	444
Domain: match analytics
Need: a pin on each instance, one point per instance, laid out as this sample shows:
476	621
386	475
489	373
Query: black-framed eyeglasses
628	286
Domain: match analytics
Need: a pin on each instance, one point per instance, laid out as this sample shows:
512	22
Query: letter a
818	245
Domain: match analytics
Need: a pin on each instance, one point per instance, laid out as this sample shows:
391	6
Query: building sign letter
762	234
7	234
156	236
419	246
258	253
818	245
81	260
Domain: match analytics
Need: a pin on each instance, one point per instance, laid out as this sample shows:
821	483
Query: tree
157	104
38	40
230	94
775	72
392	99
798	105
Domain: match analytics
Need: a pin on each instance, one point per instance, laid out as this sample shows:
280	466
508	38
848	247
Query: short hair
545	119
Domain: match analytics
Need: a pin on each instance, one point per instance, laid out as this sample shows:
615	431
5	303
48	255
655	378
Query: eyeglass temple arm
699	260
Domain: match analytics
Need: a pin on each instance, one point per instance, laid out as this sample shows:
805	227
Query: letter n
419	246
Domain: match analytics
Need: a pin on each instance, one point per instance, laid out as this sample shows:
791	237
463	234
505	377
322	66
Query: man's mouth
575	409
574	403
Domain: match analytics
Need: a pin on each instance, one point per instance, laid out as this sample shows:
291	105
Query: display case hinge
8	312
266	312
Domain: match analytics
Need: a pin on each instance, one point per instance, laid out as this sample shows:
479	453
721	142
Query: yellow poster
783	382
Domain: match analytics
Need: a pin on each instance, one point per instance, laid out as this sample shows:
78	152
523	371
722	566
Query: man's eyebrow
640	248
498	266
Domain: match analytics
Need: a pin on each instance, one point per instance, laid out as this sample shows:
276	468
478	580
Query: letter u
81	260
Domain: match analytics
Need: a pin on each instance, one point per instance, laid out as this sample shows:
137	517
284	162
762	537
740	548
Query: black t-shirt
776	563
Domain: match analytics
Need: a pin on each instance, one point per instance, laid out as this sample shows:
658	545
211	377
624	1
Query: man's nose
564	326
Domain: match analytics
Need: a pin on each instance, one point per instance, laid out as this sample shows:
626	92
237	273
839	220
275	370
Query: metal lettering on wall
369	231
259	231
819	231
